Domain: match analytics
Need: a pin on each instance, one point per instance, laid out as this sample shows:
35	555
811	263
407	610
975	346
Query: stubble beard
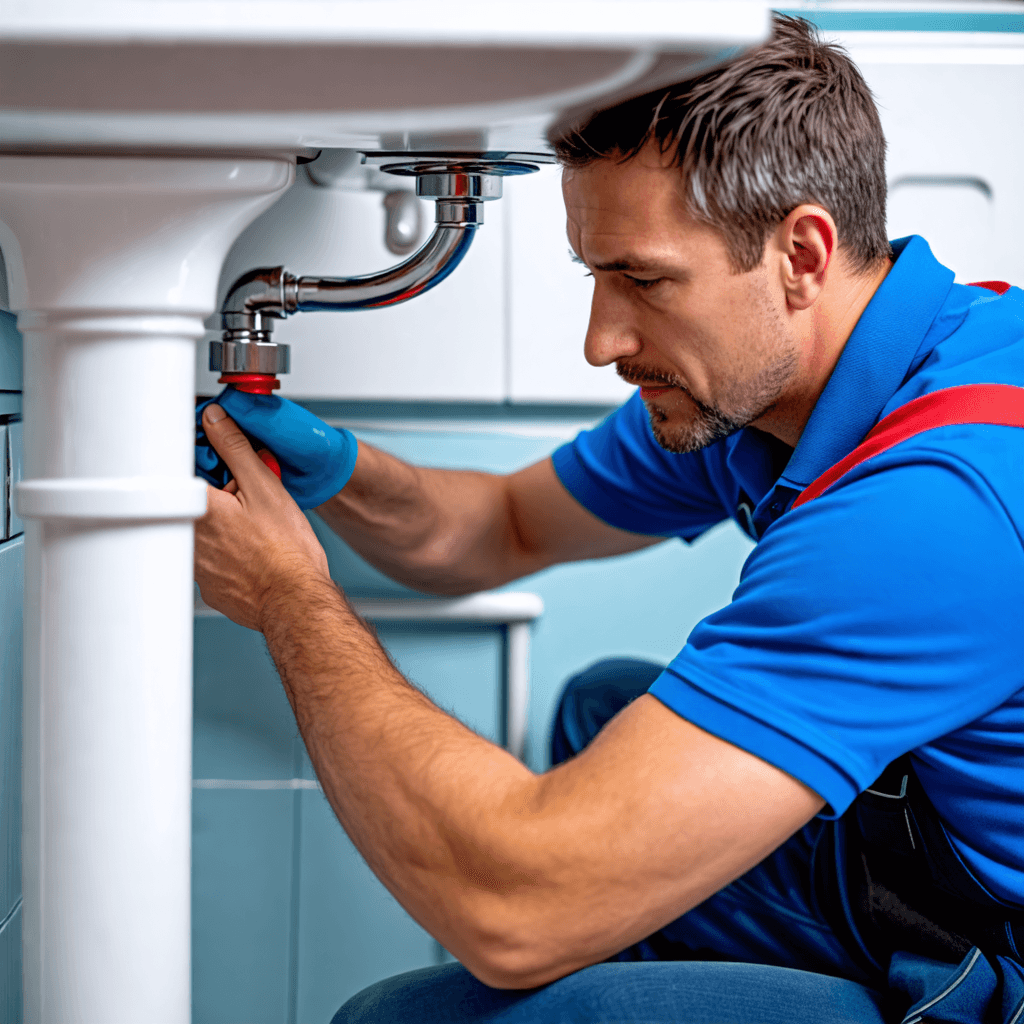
743	403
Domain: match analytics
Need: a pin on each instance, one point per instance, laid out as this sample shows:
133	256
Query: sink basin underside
64	86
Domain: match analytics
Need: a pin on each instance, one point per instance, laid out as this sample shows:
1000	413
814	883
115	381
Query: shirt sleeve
620	473
877	618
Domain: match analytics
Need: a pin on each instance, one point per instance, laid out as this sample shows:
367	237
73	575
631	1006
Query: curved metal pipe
428	266
258	293
459	187
271	292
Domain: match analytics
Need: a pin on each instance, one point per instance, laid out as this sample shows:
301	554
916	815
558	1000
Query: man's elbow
512	951
508	971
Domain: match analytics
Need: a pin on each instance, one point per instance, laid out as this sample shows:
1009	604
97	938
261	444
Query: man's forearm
439	531
428	803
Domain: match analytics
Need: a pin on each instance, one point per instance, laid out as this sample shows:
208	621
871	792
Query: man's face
709	348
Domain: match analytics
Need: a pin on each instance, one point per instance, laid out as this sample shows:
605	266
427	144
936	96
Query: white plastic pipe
113	265
513	610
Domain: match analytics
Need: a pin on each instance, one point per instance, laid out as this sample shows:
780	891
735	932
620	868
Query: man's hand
315	458
253	544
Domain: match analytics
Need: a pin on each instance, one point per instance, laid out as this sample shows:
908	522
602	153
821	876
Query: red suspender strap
999	287
998	404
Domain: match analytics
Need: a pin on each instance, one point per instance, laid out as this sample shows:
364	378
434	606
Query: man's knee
431	995
591	698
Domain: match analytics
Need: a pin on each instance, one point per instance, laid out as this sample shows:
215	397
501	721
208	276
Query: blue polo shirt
886	615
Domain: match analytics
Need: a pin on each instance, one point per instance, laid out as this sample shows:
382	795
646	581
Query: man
734	226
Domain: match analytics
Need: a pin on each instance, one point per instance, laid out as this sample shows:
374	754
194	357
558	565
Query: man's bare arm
458	531
524	877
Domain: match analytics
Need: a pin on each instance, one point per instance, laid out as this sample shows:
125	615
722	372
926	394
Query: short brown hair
788	122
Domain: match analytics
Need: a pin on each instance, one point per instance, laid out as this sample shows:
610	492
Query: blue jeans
692	992
757	952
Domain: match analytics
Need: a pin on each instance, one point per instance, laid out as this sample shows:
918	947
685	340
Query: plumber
816	811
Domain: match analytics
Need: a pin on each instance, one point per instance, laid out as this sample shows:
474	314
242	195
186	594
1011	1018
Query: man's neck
832	320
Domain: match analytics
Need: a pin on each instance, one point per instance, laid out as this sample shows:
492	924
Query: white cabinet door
446	345
549	302
956	153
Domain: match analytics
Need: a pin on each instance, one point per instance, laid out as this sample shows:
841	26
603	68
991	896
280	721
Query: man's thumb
229	442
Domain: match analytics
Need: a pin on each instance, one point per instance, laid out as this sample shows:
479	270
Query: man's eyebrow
632	265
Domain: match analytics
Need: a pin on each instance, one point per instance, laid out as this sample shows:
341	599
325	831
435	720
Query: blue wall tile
10	968
460	667
241	905
12	559
244	726
351	930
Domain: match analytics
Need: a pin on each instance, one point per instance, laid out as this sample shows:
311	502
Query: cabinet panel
955	160
549	302
446	345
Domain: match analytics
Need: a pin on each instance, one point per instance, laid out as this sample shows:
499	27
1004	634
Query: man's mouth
653	391
650	382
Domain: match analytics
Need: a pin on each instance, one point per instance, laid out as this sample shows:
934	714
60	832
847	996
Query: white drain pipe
514	611
113	265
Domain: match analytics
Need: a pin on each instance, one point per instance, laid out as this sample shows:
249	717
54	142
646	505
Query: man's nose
612	333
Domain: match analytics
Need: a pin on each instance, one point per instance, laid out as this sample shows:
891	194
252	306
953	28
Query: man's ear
806	241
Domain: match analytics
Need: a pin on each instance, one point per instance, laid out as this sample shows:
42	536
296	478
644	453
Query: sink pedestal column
113	265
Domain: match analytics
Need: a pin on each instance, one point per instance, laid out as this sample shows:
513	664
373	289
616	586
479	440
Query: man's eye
644	283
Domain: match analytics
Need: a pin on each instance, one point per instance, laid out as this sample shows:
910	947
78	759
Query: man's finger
232	445
269	460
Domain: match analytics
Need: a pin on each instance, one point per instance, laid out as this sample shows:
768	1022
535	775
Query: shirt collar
874	362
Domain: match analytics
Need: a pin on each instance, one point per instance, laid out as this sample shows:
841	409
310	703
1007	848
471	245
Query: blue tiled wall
288	920
11	587
824	14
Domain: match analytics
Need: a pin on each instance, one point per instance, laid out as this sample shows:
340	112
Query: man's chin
683	434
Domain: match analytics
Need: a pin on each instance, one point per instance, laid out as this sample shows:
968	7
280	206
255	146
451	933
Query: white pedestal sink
141	137
113	266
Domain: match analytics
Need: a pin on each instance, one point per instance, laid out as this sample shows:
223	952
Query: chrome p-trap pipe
428	266
459	187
